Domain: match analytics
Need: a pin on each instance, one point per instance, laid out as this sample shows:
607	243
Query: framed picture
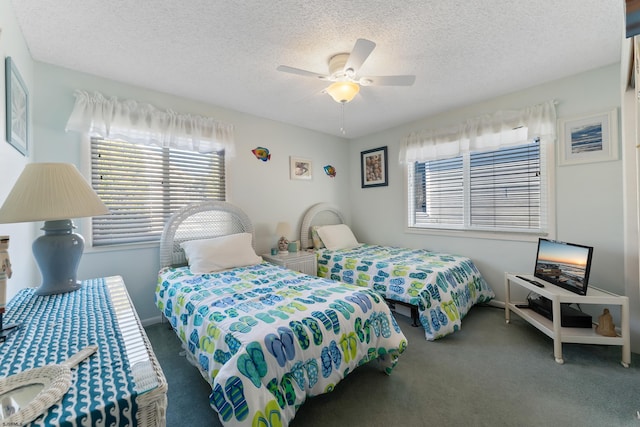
300	168
17	108
374	167
588	139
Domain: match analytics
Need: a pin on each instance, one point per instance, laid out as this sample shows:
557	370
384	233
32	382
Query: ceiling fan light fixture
343	92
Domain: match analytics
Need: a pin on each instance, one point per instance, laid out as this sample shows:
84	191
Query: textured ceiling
226	53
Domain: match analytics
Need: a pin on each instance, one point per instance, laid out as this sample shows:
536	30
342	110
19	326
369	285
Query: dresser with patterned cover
121	385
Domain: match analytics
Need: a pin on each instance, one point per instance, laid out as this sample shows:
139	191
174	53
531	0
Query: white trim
630	120
85	169
473	234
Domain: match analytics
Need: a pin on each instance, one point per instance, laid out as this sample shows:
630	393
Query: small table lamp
283	229
53	193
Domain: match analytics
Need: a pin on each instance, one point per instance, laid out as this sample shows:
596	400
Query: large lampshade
54	193
343	91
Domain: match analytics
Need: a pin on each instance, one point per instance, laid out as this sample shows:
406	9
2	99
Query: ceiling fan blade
300	72
387	80
359	54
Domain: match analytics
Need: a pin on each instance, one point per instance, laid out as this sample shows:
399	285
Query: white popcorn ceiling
225	53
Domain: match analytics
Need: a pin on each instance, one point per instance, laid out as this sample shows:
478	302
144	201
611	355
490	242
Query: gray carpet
487	374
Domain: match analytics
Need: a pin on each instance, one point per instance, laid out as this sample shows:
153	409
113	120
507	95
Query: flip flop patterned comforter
266	338
443	287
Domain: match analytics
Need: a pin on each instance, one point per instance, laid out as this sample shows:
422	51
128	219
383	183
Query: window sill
474	234
121	247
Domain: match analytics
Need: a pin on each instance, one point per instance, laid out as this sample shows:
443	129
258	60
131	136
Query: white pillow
317	241
337	236
220	253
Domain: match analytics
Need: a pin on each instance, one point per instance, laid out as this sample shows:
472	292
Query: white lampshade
283	229
343	92
50	191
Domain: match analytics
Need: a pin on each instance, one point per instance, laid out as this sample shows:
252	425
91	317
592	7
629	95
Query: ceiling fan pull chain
342	129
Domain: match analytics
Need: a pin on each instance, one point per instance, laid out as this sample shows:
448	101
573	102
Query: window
142	185
499	190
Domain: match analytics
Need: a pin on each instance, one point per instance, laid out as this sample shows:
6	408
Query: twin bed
264	337
441	288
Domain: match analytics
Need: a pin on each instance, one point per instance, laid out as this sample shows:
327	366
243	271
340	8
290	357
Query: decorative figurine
283	229
605	324
283	245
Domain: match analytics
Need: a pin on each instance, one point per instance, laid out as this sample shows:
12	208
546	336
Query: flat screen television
564	264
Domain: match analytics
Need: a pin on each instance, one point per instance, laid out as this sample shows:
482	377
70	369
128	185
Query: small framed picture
587	139
300	168
374	167
17	108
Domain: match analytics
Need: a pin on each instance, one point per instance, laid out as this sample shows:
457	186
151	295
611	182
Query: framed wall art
587	139
300	168
373	165
17	108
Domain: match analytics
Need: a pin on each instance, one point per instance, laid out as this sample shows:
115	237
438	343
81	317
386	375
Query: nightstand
302	261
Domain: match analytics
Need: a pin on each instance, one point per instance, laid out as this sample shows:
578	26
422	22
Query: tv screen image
564	264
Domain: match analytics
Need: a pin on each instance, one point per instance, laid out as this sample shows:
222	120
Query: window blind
143	185
440	193
505	189
500	190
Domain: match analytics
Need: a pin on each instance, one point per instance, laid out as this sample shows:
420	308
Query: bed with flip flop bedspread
266	338
443	286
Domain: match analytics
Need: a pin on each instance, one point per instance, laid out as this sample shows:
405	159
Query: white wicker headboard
318	214
203	220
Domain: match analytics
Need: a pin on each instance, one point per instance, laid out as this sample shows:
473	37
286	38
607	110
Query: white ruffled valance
484	133
96	115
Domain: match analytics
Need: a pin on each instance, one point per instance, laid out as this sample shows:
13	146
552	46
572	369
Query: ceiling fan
343	72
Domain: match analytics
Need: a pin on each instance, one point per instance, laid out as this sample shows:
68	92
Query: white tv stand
560	334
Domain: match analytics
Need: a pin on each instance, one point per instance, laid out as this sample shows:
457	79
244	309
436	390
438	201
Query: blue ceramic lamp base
58	254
